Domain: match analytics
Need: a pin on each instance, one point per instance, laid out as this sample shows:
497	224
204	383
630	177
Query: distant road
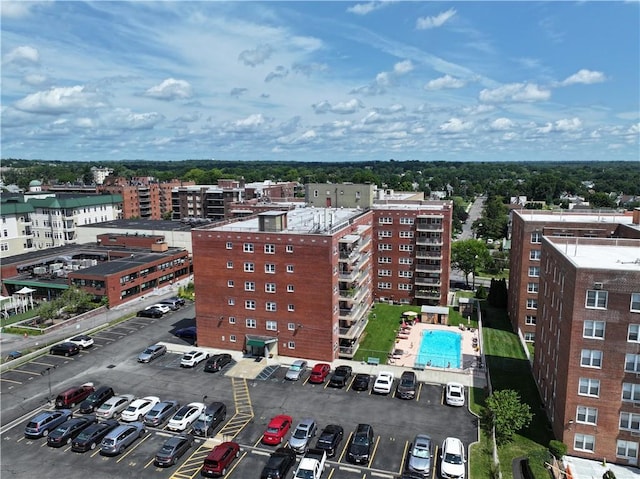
475	211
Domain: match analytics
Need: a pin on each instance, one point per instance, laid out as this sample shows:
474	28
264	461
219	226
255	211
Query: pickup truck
311	465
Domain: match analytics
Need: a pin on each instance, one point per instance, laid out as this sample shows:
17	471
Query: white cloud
366	8
35	79
256	56
520	92
385	79
455	125
403	67
22	55
426	23
170	89
252	121
11	9
565	124
59	100
446	81
586	77
342	108
501	124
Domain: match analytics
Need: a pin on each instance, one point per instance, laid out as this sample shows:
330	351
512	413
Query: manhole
111	366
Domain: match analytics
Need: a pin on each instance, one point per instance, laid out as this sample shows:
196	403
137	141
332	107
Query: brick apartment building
587	355
527	229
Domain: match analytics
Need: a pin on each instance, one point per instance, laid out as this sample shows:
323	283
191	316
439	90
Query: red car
319	373
217	462
277	430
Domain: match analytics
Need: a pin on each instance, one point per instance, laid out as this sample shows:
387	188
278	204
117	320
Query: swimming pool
439	349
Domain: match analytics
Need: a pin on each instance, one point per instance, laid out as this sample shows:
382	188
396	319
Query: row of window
387	220
251	304
268	248
596	330
401	260
389	247
233	339
268	287
595	298
268	267
389	234
401	286
592	358
269	324
401	274
624	449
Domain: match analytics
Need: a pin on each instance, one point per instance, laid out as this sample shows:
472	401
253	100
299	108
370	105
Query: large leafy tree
469	256
507	413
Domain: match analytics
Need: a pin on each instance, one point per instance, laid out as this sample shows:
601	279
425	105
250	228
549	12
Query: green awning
35	284
256	342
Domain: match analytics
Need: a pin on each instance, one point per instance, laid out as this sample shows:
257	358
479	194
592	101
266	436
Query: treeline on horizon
538	181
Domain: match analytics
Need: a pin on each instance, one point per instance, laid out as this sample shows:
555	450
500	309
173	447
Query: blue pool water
439	349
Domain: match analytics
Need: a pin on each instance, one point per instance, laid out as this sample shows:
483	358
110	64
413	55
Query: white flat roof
562	217
434	309
610	257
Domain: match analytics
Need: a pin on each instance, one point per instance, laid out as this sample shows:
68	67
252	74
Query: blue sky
321	81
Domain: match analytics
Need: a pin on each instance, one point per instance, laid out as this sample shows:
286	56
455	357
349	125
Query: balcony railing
429	241
429	227
425	254
428	268
354	331
427	294
427	281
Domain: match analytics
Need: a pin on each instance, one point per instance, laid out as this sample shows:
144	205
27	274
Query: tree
507	414
469	256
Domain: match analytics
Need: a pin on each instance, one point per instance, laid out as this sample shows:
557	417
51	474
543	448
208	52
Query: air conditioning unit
597	285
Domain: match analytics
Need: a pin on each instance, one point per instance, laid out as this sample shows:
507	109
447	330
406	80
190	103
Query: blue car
43	423
186	333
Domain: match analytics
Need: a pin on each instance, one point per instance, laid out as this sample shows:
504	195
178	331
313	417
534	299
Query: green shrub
557	448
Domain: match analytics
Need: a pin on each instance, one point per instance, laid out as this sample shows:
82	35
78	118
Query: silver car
296	370
119	438
301	437
421	455
151	353
114	406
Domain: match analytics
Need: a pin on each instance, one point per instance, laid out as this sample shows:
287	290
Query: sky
320	81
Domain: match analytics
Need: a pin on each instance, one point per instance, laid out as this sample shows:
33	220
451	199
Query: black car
330	439
212	417
173	449
161	413
186	333
217	362
340	376
95	399
65	349
279	464
92	436
407	385
68	430
361	382
360	445
149	313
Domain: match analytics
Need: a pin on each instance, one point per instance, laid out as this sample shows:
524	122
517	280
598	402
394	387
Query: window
291	326
404	260
384	285
289	248
406	221
406	247
405	286
384	260
593	329
384	234
587	415
251	323
249	286
290	288
630	421
270	288
635	303
406	234
232	320
532	303
536	237
291	307
247	247
229	245
270	306
230	283
249	267
385	221
270	268
533	287
627	449
589	387
384	247
591	358
633	334
289	268
530	337
272	325
384	272
232	338
405	274
249	304
530	320
291	345
632	363
596	299
229	264
584	442
534	271
630	392
534	254
269	249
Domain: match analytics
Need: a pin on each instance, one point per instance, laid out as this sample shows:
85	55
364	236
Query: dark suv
96	398
407	385
213	415
279	464
360	445
217	362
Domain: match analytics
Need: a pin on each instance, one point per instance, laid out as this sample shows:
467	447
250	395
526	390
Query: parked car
90	437
296	370
82	340
279	464
138	408
302	434
151	353
452	459
68	430
187	333
161	413
185	416
407	386
95	399
68	398
383	382
319	372
163	308
114	406
361	382
174	302
44	422
150	313
420	455
340	376
193	358
14	355
117	440
210	419
454	395
330	438
217	362
361	445
220	458
277	429
173	449
65	349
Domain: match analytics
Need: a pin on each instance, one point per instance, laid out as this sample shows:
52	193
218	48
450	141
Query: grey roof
141	224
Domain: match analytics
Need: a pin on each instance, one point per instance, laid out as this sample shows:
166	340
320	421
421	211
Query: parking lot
395	422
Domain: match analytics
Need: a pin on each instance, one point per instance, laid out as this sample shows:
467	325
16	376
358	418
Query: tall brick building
587	351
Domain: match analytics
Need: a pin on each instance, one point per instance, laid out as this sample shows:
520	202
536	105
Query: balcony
428	268
431	294
429	240
352	314
426	254
354	331
434	282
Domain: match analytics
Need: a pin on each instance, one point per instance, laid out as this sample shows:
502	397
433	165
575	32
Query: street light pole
206	425
47	371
